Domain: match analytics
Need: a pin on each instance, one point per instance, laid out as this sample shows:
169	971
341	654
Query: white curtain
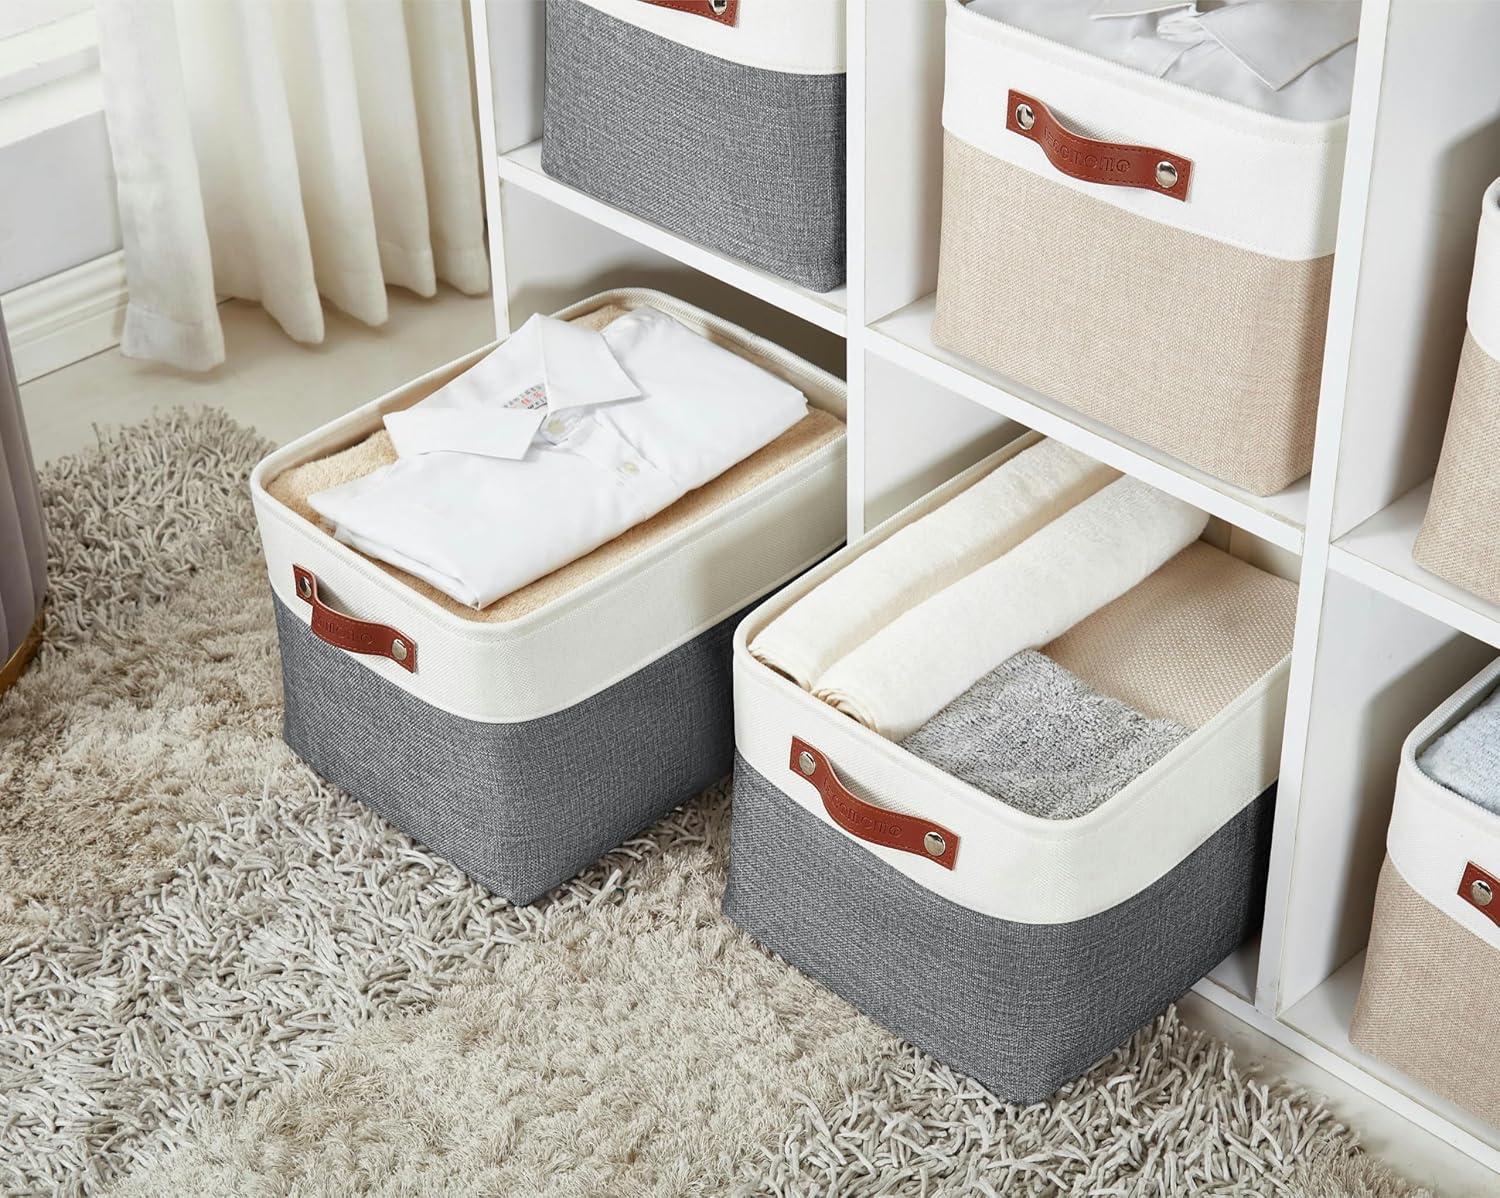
283	150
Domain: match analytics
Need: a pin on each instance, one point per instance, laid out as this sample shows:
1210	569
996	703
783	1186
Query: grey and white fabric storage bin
1152	254
721	120
524	741
1017	949
1458	541
1432	970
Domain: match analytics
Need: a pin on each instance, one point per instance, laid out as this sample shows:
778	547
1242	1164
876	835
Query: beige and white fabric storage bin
524	740
1459	540
1427	1005
1147	251
1016	948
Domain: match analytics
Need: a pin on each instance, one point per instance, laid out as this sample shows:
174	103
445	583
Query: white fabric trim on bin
1484	292
798	37
1011	865
607	628
1260	182
1434	832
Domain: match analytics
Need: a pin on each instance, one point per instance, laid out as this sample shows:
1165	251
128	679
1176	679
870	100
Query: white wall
57	201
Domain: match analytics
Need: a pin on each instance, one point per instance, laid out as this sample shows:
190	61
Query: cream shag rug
220	976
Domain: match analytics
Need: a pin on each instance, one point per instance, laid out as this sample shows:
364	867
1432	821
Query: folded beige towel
814	431
924	659
972	529
1185	643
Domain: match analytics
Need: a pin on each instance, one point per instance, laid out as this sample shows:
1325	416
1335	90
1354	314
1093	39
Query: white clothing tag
533	399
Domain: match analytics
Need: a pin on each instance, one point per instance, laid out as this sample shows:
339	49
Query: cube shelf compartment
1379	642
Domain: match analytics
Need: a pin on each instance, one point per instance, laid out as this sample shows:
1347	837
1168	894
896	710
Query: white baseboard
70	316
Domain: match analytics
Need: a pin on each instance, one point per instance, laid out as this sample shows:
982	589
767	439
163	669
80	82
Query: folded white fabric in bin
924	659
973	528
558	441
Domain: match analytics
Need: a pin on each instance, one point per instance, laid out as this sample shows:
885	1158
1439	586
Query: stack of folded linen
1014	561
1060	732
560	440
972	529
917	664
1047	635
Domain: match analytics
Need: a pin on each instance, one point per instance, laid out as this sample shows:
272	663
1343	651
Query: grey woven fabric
1037	738
1021	1008
745	160
1466	758
520	807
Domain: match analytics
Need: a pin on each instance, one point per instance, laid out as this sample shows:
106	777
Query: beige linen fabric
1427	1004
1185	642
1207	351
815	430
1457	540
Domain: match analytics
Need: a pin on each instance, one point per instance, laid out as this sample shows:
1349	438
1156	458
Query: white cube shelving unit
1379	642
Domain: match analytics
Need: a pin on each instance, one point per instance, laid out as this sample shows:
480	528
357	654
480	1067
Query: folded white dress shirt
558	441
1291	58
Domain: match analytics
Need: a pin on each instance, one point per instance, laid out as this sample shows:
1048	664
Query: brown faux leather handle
357	636
868	822
1481	890
726	12
1108	162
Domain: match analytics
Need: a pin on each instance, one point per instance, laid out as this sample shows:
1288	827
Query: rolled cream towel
972	529
924	659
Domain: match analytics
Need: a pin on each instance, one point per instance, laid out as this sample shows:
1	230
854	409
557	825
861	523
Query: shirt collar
494	409
1276	40
578	366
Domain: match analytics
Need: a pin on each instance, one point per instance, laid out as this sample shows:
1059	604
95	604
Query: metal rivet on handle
398	649
1481	892
1025	116
807	763
1166	175
304	586
719	6
934	843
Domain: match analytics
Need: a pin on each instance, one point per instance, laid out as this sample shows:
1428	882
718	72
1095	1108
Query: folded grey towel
1034	736
1466	758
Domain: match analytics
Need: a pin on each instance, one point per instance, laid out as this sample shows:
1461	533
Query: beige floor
285	389
282	388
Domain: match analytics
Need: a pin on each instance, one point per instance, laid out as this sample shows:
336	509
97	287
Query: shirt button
630	468
556	427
